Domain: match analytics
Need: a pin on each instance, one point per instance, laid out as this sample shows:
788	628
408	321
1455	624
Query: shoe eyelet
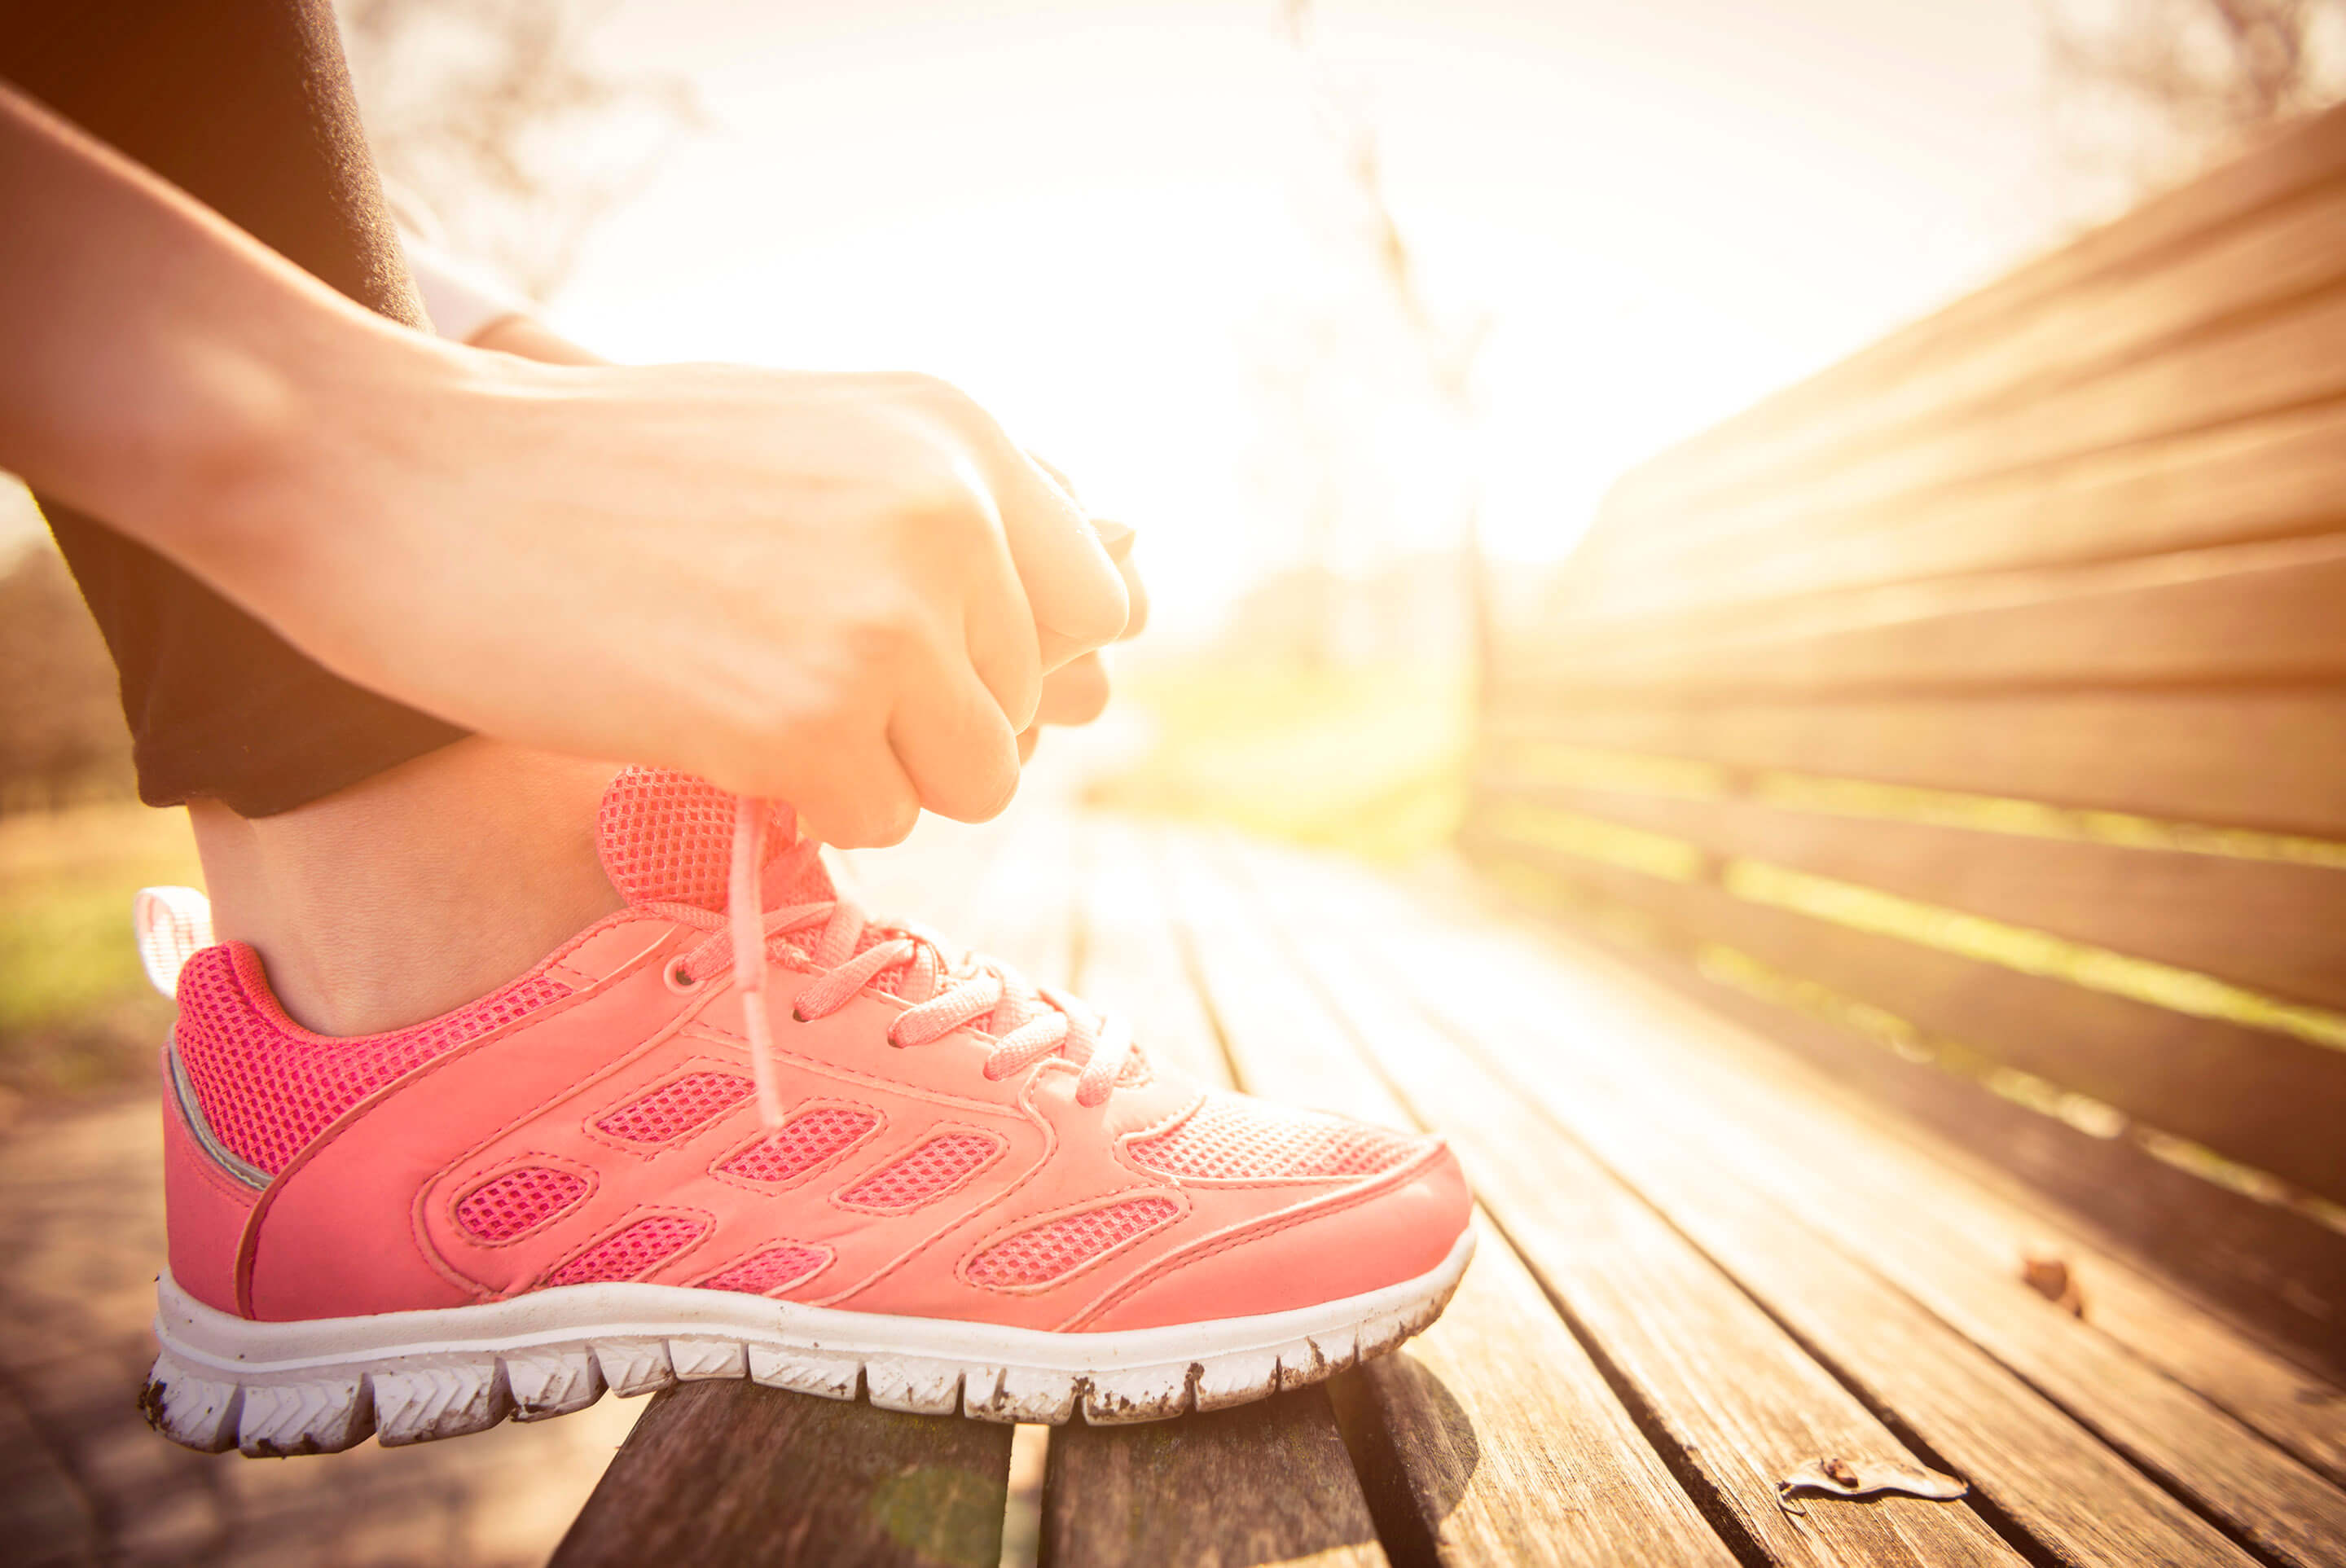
797	1016
681	982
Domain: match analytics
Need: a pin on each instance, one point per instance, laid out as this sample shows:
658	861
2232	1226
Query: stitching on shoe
877	1129
1083	1206
633	1217
458	1191
1253	1230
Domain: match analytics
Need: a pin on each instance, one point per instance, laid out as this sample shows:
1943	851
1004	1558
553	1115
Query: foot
955	1192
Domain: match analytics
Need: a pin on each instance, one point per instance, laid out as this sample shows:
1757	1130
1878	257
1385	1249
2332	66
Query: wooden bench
1943	769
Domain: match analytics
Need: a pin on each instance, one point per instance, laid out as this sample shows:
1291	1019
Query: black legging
246	106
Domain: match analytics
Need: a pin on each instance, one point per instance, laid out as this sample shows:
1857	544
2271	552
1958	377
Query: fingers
1002	647
1077	593
1117	538
960	753
854	793
1075	692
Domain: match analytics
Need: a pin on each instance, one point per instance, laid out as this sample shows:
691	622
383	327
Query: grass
1369	760
76	1015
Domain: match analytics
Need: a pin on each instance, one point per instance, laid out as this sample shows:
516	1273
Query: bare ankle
416	890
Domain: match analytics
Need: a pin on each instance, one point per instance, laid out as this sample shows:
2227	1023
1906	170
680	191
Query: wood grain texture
1997	1201
2268	261
2048	1475
1132	965
2261	612
1952	1224
2255	1097
2269	925
2176	754
1162	1492
2152	239
1465	1458
1735	1403
1671	1129
2265	364
732	1473
2267	478
1259	1484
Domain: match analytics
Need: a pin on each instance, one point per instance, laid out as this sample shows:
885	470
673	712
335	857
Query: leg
411	892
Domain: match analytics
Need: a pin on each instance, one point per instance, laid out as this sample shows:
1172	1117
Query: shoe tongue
667	838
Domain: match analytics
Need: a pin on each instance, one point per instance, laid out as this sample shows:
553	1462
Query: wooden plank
1159	1492
1260	1483
1465	1460
2273	759
2040	1471
1962	1215
2268	478
2254	1097
2269	258
2269	364
2263	612
2271	925
1671	1134
1732	1402
2292	168
1130	963
2266	1268
731	1472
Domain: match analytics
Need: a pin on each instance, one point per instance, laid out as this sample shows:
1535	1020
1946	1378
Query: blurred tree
2150	92
61	730
494	117
1443	354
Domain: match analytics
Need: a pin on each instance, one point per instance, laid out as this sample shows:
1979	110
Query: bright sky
1117	223
1123	226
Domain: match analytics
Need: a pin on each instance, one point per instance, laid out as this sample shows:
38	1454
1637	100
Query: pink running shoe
940	1184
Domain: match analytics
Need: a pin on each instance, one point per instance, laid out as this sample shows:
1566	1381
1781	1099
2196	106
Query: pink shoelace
1041	1020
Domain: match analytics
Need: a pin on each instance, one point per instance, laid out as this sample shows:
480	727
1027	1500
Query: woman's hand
840	591
843	591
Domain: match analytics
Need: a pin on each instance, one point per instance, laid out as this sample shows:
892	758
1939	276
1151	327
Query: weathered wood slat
2265	612
1679	1134
2267	259
1162	1493
2266	1268
2280	933
1736	1403
1260	1483
1467	1458
2241	1091
2267	364
2160	236
2249	758
2045	1473
2268	478
1948	1214
724	1473
1131	963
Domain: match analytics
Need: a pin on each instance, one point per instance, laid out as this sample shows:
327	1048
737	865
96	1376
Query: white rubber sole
321	1385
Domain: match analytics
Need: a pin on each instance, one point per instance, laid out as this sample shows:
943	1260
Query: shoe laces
1029	1022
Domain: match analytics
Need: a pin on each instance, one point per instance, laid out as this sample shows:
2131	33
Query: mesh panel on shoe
505	1207
1039	1256
268	1086
634	1251
674	1109
667	838
802	1143
929	1172
1230	1137
769	1270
